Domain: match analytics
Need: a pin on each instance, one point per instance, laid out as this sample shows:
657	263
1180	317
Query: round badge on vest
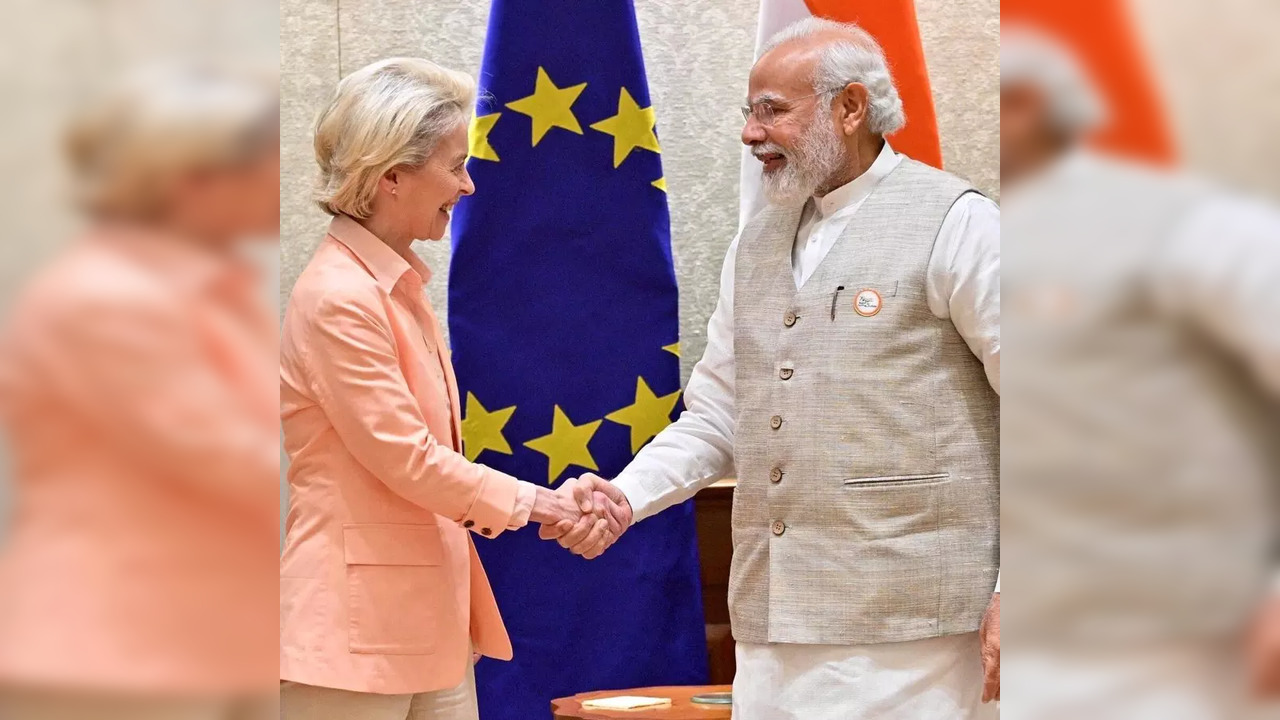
867	302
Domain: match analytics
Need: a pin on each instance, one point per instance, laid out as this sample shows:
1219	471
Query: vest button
785	373
779	527
775	422
789	319
776	475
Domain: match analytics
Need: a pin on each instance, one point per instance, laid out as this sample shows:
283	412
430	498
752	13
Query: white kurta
933	678
928	679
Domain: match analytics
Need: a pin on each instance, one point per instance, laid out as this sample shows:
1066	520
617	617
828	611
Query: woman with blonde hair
383	599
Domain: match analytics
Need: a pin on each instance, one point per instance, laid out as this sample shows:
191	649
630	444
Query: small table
681	707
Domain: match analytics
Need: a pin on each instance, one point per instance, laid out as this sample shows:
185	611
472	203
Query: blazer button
789	319
775	422
785	373
779	527
776	475
469	524
486	532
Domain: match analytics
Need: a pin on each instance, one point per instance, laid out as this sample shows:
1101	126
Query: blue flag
563	321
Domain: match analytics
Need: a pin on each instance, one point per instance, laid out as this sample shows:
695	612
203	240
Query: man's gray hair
854	58
1030	57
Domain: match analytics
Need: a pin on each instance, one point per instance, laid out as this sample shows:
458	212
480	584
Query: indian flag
893	24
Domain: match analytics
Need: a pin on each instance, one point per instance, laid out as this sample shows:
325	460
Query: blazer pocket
397	588
897	480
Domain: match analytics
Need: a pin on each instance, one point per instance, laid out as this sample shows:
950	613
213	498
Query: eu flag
563	320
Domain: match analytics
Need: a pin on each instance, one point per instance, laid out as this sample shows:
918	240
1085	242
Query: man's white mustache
760	151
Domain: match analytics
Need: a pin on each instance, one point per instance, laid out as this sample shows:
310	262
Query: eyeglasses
764	110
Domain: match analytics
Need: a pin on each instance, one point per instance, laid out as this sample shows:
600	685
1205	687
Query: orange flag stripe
893	23
1100	32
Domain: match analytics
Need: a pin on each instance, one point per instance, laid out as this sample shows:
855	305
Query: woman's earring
393	191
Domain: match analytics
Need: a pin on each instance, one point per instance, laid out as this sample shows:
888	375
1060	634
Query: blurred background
1141	333
139	179
53	56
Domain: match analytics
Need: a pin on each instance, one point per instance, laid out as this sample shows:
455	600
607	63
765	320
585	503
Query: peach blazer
138	387
381	589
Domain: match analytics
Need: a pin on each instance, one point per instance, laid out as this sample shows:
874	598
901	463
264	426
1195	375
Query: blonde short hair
158	123
384	115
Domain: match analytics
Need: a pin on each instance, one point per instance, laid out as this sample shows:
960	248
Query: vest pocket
396	588
898	480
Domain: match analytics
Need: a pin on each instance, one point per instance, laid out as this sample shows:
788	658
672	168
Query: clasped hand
586	515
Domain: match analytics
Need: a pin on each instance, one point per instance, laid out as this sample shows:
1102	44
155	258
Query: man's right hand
595	532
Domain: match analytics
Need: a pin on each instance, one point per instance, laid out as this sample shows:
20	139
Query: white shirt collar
857	189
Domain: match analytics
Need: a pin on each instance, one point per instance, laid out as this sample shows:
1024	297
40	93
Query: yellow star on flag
478	137
549	106
482	429
660	183
631	128
647	415
673	348
566	445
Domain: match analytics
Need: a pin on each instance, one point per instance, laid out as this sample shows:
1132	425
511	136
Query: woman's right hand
569	503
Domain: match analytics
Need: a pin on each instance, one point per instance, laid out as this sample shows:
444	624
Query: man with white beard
850	378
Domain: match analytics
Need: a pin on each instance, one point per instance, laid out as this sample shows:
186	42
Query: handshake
585	515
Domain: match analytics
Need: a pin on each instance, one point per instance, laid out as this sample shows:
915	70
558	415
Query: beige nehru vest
867	440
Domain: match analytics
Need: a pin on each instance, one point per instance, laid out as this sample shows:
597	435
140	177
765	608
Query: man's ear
852	107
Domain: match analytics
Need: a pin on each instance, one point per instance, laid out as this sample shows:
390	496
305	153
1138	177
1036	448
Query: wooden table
681	707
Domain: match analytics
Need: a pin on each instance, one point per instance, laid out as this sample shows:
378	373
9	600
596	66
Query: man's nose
753	132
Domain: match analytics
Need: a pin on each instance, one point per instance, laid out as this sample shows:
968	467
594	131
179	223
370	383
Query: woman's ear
389	181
